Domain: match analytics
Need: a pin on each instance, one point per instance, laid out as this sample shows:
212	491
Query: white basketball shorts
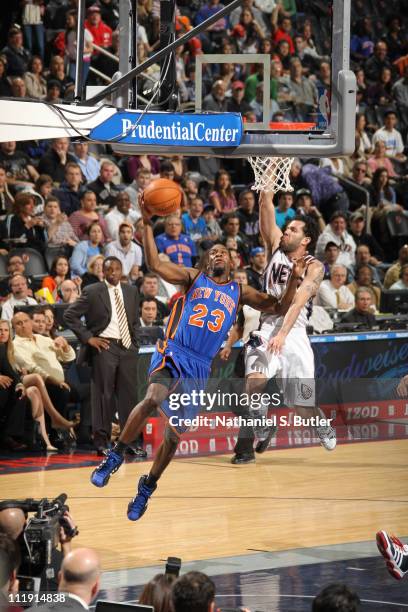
293	368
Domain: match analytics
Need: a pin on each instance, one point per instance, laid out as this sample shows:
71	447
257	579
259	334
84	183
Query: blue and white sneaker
110	465
138	506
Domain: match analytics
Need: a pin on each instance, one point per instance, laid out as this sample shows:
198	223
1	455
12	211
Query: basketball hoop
271	173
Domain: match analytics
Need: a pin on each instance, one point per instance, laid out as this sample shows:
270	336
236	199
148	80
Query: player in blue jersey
198	324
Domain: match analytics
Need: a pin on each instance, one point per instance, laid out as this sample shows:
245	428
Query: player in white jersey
280	347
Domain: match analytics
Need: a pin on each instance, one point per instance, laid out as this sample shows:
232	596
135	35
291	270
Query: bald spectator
78	579
120	213
68	293
216	100
18	88
20	296
105	190
333	293
12	522
55	159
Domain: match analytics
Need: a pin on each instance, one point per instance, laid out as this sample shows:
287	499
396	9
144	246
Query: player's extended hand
100	344
275	344
299	266
402	389
225	353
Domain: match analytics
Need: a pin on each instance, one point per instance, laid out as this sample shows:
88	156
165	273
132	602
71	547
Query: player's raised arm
270	232
270	304
306	291
170	272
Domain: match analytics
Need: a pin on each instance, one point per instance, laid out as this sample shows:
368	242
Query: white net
271	173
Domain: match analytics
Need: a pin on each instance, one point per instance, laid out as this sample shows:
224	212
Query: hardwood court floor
206	507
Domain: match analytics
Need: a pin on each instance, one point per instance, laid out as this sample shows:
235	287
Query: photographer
57	524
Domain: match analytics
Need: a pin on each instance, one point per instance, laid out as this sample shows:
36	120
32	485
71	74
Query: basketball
162	197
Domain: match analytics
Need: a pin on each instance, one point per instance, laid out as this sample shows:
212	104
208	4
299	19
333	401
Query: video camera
42	530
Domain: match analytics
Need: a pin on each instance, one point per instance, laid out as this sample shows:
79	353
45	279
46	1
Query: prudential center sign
203	130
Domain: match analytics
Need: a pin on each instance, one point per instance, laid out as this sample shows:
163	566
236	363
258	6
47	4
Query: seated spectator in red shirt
102	33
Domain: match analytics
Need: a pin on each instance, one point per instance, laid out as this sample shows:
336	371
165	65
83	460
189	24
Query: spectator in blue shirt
194	224
284	211
90	167
179	247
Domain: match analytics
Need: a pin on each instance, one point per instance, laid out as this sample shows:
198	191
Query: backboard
304	117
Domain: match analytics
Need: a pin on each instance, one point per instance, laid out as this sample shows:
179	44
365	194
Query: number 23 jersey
201	319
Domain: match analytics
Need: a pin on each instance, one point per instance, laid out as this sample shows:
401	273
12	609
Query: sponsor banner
197	443
363	368
218	424
171	129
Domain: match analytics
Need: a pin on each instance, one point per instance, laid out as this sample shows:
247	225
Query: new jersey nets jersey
202	318
275	281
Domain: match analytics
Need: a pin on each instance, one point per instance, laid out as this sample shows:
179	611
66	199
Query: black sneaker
241	459
263	444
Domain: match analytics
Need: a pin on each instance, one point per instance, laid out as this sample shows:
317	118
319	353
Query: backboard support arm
79	67
153	59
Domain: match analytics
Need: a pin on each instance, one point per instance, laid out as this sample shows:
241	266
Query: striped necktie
122	320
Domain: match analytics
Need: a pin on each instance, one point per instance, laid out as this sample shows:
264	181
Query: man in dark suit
111	311
79	581
12	409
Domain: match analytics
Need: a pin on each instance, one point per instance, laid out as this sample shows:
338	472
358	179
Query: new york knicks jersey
201	319
275	281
